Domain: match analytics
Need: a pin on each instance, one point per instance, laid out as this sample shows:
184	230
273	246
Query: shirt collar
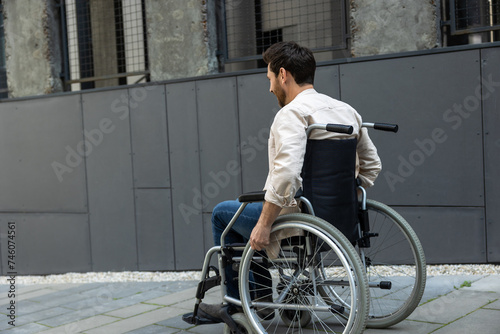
306	92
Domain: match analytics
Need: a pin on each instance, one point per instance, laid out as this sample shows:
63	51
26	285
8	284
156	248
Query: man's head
290	70
297	60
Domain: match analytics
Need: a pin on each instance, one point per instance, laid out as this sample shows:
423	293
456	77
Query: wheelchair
321	278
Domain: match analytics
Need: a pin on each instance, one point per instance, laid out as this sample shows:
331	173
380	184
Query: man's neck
296	90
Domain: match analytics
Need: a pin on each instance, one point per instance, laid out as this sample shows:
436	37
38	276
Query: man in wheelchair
291	70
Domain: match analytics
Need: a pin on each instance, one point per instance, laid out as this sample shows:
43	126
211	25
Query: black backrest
329	182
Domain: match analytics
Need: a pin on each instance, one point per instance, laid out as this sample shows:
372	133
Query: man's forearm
269	214
259	239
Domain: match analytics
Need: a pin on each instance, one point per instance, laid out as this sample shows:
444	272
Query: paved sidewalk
448	307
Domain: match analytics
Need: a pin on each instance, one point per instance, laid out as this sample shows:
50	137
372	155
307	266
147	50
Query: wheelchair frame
355	279
235	324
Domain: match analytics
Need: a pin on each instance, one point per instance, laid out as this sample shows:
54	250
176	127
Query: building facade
69	45
112	160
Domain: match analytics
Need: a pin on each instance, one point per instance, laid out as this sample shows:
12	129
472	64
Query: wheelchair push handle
340	128
348	129
382	126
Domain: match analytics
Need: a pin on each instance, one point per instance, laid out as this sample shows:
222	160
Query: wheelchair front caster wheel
242	322
295	319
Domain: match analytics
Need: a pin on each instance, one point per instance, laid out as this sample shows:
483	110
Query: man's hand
259	239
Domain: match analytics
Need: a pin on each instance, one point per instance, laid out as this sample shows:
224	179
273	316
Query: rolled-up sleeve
287	145
369	161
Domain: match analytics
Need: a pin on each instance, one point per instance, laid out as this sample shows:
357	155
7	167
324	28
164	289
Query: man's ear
282	76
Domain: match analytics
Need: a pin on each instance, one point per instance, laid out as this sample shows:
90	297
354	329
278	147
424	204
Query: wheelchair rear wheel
311	256
395	267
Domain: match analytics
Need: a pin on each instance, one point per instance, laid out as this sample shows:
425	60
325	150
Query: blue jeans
240	233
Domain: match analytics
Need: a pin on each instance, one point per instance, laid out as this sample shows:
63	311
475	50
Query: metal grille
472	16
3	73
252	26
105	42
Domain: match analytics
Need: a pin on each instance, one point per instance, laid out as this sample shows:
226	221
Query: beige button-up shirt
287	143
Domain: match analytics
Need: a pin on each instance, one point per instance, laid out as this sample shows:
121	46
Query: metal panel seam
80	100
170	174
131	155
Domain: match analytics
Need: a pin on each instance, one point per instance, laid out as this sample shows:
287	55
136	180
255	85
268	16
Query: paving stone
41	315
441	285
137	322
62	291
105	303
30	288
27	295
176	322
487	284
65	286
26	307
482	321
207	329
4	324
120	290
187	305
181	285
69	317
154	329
133	310
82	325
27	329
450	307
495	305
123	290
406	326
60	297
173	298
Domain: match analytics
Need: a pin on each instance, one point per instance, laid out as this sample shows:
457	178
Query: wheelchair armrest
256	196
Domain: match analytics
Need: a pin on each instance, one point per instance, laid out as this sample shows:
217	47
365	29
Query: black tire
395	256
242	322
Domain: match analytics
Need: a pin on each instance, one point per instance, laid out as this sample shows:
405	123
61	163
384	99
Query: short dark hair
298	60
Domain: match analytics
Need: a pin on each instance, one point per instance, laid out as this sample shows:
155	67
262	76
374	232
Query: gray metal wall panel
185	171
449	235
149	136
219	140
491	102
154	229
326	81
39	141
257	107
47	243
432	99
110	182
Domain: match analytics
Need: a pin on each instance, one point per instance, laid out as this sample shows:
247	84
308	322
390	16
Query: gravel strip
108	277
139	276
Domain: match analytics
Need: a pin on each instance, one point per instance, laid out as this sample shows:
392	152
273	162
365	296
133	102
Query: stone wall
179	42
32	47
391	26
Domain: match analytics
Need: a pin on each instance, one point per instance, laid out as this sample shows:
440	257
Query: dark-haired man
290	71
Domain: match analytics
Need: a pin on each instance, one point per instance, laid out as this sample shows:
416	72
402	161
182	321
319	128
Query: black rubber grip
386	127
257	196
341	128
